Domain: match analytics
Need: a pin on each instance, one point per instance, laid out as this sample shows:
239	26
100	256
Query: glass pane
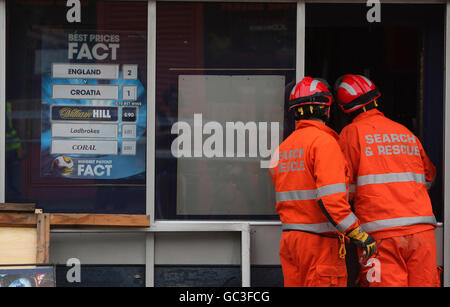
76	105
403	55
223	70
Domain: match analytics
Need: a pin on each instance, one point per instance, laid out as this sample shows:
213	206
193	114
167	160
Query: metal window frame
2	97
151	115
176	226
210	226
446	140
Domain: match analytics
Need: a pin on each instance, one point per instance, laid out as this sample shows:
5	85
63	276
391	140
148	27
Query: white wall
176	247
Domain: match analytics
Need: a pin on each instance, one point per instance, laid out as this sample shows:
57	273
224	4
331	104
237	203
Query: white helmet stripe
293	89
349	89
367	80
314	85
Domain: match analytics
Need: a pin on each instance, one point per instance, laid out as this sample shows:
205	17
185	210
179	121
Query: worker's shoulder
399	126
323	138
308	136
350	129
375	122
385	124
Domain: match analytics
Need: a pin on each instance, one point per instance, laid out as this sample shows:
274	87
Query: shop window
223	70
76	80
403	55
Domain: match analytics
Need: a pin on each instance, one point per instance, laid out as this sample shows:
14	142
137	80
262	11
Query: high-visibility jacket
311	184
389	175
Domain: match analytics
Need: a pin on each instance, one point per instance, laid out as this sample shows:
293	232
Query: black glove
363	240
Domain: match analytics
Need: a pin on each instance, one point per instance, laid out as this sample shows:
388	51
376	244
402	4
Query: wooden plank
66	219
17	245
43	239
113	220
17	219
17	207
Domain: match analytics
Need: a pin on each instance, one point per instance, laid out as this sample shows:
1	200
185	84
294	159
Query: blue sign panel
93	108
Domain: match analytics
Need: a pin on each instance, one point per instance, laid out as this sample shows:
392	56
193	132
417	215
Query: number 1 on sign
129	92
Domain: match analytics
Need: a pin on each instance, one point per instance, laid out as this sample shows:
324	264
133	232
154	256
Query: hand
363	240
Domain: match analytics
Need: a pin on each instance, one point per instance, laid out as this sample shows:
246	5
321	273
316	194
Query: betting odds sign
93	104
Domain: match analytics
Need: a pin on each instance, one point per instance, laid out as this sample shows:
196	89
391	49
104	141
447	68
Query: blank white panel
225	185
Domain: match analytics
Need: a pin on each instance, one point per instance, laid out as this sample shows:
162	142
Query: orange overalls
389	175
311	185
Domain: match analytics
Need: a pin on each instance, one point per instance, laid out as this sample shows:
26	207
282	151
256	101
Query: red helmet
354	92
310	91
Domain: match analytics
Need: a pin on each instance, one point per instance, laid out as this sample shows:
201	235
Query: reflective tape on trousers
402	221
311	194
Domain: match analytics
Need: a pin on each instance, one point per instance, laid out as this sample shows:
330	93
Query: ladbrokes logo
83	113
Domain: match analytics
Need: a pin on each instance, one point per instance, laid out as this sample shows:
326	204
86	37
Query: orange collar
305	123
370	113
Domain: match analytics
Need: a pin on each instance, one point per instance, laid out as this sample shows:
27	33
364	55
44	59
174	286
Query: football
63	165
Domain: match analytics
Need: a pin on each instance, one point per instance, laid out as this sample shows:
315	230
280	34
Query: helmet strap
369	96
367	107
312	112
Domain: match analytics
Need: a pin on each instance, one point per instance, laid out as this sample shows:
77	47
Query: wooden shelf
25	231
58	220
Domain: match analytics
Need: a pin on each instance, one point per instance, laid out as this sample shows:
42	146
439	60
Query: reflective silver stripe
311	194
367	80
348	87
331	189
402	221
314	85
317	228
390	177
296	195
347	222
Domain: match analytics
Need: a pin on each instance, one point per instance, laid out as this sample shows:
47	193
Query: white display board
231	183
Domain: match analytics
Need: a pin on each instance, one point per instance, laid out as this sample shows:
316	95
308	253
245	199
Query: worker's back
389	173
310	167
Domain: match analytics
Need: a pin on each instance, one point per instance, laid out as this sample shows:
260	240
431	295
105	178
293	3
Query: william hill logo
84	113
